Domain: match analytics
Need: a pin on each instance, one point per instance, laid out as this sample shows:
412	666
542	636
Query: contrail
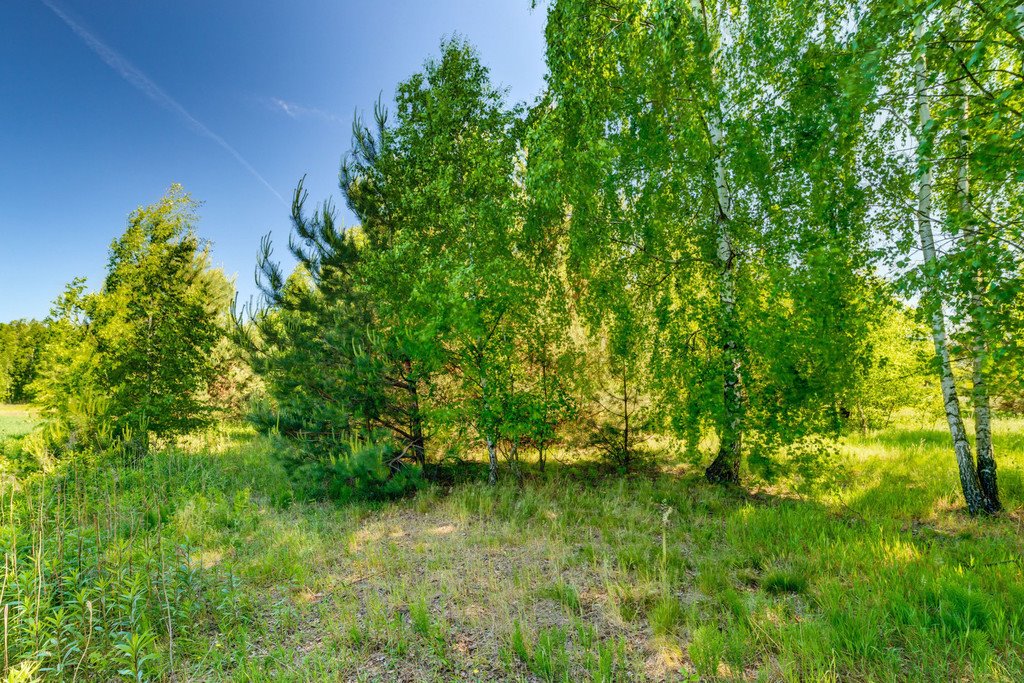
297	111
143	84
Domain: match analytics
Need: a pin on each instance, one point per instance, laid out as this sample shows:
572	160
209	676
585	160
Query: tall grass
200	563
103	576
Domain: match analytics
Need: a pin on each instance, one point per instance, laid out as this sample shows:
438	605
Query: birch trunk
513	460
979	389
983	436
969	482
726	466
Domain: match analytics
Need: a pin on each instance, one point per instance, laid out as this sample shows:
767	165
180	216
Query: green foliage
784	580
946	77
21	343
98	580
155	320
699	230
898	375
430	319
134	358
362	470
750	299
706	647
666	616
701	236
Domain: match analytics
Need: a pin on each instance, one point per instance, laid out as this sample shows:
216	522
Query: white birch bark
725	467
491	441
961	446
979	390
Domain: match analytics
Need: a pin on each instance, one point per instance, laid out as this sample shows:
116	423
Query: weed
784	580
666	616
566	594
706	648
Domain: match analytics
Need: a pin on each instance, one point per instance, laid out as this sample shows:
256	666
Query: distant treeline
21	343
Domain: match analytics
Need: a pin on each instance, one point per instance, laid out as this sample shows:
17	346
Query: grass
201	565
16	420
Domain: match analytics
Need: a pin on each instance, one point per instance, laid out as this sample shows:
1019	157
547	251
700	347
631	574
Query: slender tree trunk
983	436
726	467
544	387
625	417
492	442
980	397
969	482
513	457
492	456
419	444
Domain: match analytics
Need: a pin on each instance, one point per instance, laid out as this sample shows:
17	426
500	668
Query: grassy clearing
16	420
203	564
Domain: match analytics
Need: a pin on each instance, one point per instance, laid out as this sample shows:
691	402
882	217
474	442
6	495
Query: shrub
362	470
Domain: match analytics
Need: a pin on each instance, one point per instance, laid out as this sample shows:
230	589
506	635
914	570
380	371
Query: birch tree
673	134
976	48
965	194
969	482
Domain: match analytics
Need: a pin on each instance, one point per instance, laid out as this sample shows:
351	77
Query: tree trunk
492	456
544	386
969	482
983	436
979	394
419	444
626	457
492	445
726	467
513	458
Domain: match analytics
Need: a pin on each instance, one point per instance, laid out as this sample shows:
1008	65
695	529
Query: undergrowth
202	563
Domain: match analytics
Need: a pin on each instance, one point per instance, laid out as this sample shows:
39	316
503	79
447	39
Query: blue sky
104	104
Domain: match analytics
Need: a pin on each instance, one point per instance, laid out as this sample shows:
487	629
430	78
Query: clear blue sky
104	104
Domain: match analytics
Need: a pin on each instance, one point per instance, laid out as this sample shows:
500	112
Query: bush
363	470
15	460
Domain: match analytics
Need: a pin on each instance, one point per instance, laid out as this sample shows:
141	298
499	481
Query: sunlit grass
908	472
16	420
570	577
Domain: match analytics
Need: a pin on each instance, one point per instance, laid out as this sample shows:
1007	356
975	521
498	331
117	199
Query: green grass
201	565
16	420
